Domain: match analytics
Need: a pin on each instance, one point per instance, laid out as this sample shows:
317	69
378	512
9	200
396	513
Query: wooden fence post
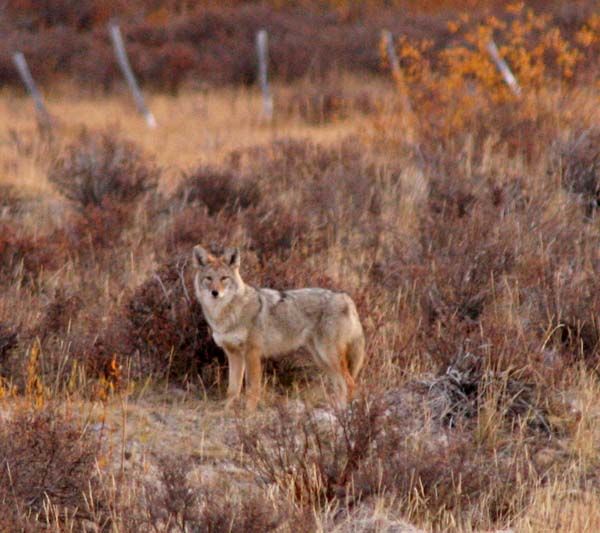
508	76
119	46
21	64
262	51
390	51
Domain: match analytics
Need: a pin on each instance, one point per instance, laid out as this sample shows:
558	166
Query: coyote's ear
232	257
200	256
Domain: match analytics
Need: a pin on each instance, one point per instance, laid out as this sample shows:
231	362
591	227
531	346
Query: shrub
211	507
164	330
8	341
78	15
286	272
458	483
24	256
167	66
218	190
335	188
579	161
96	66
320	459
98	228
58	314
466	241
193	225
277	232
314	461
102	167
45	456
332	187
98	345
571	305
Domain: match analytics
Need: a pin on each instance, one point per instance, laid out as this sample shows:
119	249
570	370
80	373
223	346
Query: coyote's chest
230	322
228	332
234	338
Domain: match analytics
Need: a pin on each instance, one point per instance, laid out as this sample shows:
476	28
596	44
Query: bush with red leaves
579	164
359	452
98	227
44	457
105	178
100	166
24	256
9	336
218	190
212	507
165	333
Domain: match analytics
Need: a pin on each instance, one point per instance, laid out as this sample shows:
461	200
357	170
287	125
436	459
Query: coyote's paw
229	404
251	404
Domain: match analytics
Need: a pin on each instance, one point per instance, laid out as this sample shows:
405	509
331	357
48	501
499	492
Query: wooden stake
262	51
119	46
21	64
508	76
394	63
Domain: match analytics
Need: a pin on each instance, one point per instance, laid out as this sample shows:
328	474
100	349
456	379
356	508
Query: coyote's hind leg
253	377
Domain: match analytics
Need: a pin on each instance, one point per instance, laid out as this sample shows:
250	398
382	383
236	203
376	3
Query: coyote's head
218	276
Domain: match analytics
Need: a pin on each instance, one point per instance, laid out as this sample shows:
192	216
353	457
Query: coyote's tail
356	355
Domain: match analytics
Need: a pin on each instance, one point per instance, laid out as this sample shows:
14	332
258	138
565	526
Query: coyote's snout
251	324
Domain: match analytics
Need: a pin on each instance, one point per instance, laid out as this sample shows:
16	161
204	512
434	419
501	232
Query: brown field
465	227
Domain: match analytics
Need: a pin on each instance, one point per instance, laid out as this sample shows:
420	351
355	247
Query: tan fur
252	324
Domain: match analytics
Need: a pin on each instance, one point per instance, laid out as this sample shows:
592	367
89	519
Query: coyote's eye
208	278
225	278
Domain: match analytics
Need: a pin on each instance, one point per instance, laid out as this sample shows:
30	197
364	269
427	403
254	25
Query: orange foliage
462	76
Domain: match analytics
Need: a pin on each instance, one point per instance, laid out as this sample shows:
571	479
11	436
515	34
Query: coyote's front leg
235	362
253	376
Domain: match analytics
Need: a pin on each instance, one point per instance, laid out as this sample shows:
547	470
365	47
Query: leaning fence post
504	69
21	64
390	52
262	52
119	46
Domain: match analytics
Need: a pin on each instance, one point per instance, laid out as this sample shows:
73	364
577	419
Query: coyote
251	324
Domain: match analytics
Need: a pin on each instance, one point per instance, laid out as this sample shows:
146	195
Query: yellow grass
194	128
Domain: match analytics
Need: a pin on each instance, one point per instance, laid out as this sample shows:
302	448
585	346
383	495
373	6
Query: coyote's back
251	324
